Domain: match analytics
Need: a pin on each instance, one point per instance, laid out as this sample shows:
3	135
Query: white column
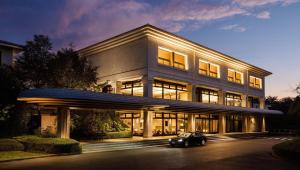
148	120
63	123
191	122
222	123
245	124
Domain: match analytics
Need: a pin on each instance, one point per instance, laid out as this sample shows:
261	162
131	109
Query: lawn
14	155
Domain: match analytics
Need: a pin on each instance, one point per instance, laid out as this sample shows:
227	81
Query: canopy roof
54	97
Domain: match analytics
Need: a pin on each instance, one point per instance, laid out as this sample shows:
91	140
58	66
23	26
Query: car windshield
184	135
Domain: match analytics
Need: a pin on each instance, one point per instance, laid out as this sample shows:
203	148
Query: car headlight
170	140
180	140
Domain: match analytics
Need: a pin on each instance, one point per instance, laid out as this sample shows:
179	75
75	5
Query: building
9	52
163	84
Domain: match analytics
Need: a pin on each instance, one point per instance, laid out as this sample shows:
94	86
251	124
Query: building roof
150	30
10	44
57	97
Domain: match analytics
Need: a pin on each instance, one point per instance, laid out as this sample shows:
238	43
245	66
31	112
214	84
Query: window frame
168	85
234	78
210	92
131	85
234	97
172	61
208	72
253	85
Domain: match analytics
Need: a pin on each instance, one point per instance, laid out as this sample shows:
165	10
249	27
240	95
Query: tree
70	70
32	66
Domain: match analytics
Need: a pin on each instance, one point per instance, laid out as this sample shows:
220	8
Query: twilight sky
265	33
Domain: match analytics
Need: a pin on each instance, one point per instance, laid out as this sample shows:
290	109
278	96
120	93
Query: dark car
188	139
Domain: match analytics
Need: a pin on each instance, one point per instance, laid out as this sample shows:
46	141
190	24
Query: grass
288	149
15	155
40	140
10	145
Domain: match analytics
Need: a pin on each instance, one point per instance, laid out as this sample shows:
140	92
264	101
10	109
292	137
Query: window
235	76
207	95
255	82
209	69
253	102
172	59
132	88
168	90
233	99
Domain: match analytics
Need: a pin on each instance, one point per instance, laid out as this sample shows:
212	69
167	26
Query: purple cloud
264	15
234	27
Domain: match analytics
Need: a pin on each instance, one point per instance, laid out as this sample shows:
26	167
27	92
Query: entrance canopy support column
63	123
191	123
222	123
245	124
148	120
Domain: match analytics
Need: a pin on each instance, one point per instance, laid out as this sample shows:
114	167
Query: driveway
236	154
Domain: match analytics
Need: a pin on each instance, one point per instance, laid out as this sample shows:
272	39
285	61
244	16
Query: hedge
288	149
121	134
10	145
49	145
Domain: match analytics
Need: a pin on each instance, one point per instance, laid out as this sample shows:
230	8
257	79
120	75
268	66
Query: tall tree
32	66
70	70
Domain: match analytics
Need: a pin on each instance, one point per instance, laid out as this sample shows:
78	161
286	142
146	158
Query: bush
122	134
10	145
49	145
288	149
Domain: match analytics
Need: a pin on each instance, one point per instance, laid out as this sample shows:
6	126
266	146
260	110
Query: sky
265	33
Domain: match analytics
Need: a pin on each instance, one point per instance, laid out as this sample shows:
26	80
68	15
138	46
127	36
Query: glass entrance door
208	123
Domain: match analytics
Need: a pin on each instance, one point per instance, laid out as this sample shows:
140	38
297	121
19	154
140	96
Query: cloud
234	27
264	15
254	3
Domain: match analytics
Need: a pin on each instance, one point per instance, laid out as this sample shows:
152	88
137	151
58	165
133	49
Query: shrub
49	145
10	145
121	134
288	149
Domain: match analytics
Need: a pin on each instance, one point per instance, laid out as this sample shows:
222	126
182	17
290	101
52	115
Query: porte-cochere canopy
62	97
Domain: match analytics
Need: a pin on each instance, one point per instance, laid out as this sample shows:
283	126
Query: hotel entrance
233	123
169	123
208	123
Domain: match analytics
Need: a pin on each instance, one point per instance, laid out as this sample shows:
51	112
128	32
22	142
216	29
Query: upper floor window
255	82
232	99
207	95
132	88
235	76
169	90
209	69
172	59
253	102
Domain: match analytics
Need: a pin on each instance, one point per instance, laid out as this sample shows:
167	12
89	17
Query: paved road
237	154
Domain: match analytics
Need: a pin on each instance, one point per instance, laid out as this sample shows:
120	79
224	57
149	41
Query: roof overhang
87	99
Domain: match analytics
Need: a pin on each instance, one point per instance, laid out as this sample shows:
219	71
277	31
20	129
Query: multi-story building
168	85
9	52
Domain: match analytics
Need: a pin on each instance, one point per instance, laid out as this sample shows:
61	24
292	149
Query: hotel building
162	84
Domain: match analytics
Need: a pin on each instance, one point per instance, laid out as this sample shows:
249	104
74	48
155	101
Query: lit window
132	88
209	69
172	59
255	82
235	76
169	90
207	95
233	99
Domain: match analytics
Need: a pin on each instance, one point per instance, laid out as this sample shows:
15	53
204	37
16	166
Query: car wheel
186	144
203	142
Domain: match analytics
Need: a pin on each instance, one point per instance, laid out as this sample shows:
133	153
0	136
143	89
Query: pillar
222	123
191	93
221	97
263	123
191	123
148	123
63	123
245	124
262	103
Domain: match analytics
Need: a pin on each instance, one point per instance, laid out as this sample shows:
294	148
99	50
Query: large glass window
255	82
208	123
233	123
253	102
134	123
168	90
207	95
172	59
235	76
233	99
132	88
209	69
168	123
